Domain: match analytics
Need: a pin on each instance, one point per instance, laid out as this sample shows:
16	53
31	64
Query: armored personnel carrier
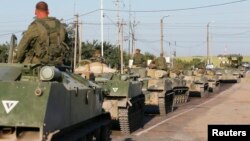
180	88
123	96
213	80
198	84
229	68
158	91
228	75
47	103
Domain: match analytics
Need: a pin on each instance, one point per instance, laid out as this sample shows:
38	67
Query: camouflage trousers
31	60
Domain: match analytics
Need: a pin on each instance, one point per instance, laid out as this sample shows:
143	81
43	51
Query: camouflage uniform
43	42
97	57
138	60
161	63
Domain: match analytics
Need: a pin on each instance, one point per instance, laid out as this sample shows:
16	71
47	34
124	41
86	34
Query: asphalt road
230	105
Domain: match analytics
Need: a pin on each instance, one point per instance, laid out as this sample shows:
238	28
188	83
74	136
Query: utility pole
133	37
119	35
129	36
208	44
102	27
208	48
161	27
174	54
117	3
76	39
161	35
121	47
80	43
13	42
133	42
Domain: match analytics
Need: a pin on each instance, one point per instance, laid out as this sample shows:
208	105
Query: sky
185	31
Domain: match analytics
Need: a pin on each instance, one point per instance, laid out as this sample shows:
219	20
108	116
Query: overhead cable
178	9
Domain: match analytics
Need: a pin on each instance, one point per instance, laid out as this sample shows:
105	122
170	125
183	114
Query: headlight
49	73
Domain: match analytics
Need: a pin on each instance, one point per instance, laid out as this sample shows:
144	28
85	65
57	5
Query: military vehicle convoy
229	68
123	96
198	84
48	103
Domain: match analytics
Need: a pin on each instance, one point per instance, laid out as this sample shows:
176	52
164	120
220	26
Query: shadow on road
129	139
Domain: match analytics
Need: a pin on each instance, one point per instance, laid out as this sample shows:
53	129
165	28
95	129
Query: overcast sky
184	30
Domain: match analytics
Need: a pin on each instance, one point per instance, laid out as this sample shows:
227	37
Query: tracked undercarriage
180	89
123	97
158	92
131	117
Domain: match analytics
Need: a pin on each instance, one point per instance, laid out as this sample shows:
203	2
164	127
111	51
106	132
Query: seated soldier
161	63
97	57
138	59
44	41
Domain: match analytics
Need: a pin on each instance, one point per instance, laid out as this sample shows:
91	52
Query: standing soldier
97	57
138	59
44	41
161	63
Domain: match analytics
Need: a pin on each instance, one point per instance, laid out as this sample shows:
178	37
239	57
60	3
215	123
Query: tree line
111	52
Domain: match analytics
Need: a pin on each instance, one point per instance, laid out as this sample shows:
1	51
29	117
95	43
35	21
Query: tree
198	63
181	65
4	52
111	52
148	56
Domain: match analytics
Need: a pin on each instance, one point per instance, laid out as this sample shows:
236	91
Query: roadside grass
215	59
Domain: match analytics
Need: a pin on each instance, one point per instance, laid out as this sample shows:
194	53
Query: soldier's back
50	47
161	63
138	60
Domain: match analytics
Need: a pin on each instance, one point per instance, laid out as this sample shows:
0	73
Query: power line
84	14
194	46
5	34
233	34
81	15
112	22
169	26
178	9
148	41
3	22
